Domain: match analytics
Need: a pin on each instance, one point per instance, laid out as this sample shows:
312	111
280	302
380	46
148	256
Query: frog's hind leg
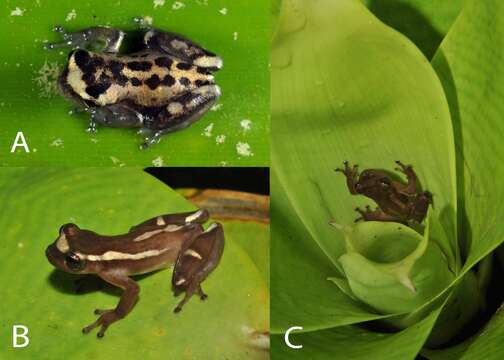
375	215
182	48
179	113
100	38
412	187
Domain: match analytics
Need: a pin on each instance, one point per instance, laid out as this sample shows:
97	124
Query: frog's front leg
182	48
100	38
375	215
115	115
179	113
351	174
125	305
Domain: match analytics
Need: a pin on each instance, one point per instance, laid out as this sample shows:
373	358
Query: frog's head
63	254
78	81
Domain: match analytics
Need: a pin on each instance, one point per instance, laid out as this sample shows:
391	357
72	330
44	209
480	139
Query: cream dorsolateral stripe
193	216
160	221
149	234
62	243
115	255
193	253
211	227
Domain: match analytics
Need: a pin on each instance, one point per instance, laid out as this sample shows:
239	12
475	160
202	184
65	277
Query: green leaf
36	202
353	89
392	268
423	22
474	96
302	295
352	342
236	30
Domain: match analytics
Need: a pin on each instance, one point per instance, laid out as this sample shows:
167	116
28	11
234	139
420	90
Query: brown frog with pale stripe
166	86
154	244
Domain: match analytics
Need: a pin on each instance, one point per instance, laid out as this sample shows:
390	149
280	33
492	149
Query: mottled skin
165	87
158	243
397	201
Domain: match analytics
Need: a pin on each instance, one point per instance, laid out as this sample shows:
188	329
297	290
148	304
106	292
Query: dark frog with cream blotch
164	87
158	243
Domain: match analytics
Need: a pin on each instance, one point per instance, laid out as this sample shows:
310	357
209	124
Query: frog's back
147	79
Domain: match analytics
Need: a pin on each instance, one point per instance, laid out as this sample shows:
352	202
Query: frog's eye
69	229
74	262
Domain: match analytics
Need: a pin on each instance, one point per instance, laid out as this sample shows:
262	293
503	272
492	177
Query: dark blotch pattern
104	78
199	83
88	78
202	70
135	81
184	81
184	66
121	80
168	80
139	65
153	82
82	58
115	66
164	62
97	89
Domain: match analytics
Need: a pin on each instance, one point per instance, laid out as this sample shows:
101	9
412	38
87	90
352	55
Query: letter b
20	331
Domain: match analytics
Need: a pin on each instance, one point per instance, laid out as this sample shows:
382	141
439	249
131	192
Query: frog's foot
413	186
181	112
143	22
201	294
98	38
106	318
405	169
150	137
374	215
349	172
92	128
182	48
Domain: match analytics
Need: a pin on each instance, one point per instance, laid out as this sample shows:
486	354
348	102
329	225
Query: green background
33	106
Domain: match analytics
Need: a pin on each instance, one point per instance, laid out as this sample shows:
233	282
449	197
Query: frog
397	201
165	86
160	242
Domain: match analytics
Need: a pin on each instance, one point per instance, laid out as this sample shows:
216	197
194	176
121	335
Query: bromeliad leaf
391	267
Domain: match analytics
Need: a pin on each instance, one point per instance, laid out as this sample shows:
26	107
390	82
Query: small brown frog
396	201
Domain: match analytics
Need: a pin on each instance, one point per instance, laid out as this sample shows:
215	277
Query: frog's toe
59	29
102	331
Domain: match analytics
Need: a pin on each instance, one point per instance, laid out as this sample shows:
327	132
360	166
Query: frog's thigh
97	38
183	110
182	48
116	115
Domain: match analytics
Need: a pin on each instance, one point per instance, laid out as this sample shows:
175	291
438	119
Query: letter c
287	341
